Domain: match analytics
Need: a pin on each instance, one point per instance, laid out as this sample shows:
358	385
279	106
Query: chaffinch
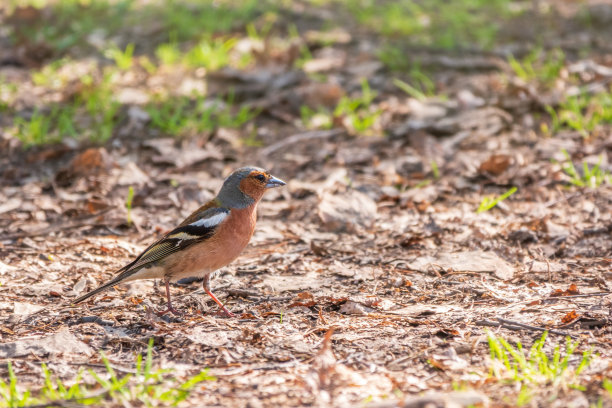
210	238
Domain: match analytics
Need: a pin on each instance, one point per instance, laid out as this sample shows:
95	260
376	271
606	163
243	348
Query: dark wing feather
176	240
185	235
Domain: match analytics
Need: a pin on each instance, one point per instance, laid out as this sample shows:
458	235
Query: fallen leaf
470	261
447	332
4	268
305	295
318	94
185	155
347	212
325	59
573	289
448	360
435	363
23	308
305	299
569	317
496	164
570	291
335	36
131	175
93	161
355	308
79	286
10	205
63	342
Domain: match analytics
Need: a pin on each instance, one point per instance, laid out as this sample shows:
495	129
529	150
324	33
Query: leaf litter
370	277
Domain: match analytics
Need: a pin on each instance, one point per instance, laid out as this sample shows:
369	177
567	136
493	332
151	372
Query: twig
273	299
563	198
553	298
438	399
243	293
529	327
315	134
489	323
577	296
113	366
517	326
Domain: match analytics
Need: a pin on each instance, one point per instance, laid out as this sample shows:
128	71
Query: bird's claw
169	309
225	312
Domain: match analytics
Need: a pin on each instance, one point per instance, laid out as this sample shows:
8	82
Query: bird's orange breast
229	240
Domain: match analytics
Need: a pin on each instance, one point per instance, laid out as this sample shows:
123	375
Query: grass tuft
539	66
588	177
184	117
124	59
146	386
436	22
489	202
211	54
533	368
128	205
584	113
358	114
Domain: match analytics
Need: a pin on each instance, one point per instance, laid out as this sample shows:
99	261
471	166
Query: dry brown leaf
569	317
571	290
496	164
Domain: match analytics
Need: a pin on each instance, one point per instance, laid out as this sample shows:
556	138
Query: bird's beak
275	182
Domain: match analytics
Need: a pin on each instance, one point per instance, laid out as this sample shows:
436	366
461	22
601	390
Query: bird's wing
213	204
200	228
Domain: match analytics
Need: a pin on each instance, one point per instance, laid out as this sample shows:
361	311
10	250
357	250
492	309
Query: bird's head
246	186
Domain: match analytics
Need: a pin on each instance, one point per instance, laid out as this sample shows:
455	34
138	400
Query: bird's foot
224	312
169	309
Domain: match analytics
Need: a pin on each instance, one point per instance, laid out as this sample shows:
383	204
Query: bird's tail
99	289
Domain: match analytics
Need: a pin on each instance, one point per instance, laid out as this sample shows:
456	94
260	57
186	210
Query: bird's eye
260	177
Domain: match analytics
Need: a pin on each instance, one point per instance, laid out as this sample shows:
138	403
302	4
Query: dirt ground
375	241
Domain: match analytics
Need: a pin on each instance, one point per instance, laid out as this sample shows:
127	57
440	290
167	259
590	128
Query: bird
210	238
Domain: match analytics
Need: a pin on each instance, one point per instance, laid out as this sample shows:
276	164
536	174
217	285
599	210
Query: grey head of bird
245	187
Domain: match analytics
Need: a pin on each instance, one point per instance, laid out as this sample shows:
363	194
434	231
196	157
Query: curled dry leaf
496	164
448	360
321	94
304	299
93	161
355	308
570	317
570	291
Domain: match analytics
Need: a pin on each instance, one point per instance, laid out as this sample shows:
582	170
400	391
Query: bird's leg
169	308
206	286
